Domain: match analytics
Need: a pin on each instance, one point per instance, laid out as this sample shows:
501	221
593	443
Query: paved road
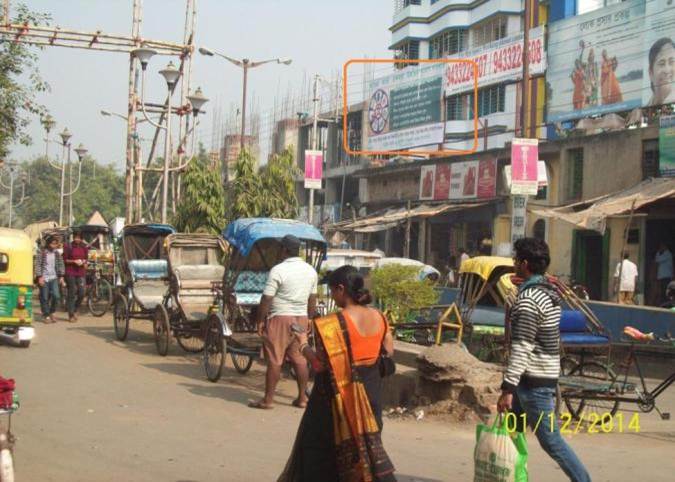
95	409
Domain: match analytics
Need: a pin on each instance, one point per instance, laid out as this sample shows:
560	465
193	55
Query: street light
65	137
14	175
197	101
245	64
143	55
81	151
170	74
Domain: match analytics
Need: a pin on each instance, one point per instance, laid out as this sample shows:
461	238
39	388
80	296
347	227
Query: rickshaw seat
148	269
198	277
251	282
574	330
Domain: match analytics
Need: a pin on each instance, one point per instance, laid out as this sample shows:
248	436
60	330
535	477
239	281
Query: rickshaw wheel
215	348
100	297
160	327
592	373
242	363
121	317
191	343
24	343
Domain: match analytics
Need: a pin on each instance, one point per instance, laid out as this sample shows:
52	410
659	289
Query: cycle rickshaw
142	278
195	267
254	248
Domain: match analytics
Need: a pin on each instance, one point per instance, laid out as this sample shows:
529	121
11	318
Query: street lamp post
14	174
171	75
245	64
65	137
81	151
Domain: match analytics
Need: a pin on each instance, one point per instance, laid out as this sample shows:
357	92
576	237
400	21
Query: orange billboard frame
441	152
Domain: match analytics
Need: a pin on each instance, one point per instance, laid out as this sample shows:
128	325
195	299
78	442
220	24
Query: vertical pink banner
313	169
524	156
442	182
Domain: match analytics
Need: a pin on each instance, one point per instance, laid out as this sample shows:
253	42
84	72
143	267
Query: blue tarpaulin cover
244	233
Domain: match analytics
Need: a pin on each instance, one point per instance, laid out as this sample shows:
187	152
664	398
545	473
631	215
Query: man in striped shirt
534	362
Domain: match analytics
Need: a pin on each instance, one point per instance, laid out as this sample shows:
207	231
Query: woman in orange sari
339	435
609	84
578	81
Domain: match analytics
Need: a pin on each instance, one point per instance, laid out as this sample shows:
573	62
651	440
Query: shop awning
391	218
594	213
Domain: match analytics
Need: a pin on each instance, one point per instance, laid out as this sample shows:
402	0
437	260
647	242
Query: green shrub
399	291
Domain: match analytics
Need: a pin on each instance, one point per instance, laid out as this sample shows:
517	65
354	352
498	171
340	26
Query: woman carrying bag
339	438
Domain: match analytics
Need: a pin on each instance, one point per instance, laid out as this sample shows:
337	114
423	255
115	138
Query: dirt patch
456	385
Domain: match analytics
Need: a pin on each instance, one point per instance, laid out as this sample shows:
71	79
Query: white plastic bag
499	456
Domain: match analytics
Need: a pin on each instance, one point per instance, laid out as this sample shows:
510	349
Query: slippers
296	403
260	405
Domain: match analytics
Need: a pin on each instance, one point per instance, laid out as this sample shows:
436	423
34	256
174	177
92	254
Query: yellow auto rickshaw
16	286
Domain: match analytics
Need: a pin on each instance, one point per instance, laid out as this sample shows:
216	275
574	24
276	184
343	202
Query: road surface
95	409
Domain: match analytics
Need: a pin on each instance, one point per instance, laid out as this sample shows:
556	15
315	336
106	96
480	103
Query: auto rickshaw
16	286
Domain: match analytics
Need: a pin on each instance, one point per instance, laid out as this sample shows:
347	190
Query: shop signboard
667	145
499	61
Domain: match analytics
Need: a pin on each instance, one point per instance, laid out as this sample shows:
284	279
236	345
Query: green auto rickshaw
16	286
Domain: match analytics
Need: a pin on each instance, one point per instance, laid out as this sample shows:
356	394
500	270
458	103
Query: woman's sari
339	435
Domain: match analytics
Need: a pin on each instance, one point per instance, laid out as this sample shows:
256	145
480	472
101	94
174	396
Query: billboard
612	59
595	62
524	157
499	61
404	109
659	57
459	180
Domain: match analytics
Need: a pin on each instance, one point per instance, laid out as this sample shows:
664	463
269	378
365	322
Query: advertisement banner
313	169
524	168
596	62
615	58
442	182
463	180
404	109
667	145
499	61
427	175
659	53
487	178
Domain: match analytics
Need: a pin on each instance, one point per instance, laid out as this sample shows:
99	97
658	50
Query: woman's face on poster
663	71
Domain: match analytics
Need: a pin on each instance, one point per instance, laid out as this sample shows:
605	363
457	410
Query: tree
267	193
101	188
20	82
400	291
202	205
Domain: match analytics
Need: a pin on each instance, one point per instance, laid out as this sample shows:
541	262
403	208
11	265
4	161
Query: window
539	230
354	126
453	107
489	31
411	2
575	173
490	100
447	43
4	263
542	193
408	50
650	158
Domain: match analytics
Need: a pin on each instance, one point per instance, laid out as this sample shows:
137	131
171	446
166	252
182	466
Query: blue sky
319	35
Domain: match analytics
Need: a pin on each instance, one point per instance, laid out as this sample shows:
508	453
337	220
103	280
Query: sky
319	35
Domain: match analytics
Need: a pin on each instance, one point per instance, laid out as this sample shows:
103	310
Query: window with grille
409	50
411	2
354	133
650	158
490	100
489	31
447	43
453	107
575	173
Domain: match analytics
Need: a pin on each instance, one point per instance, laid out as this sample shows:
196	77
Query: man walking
625	287
49	270
664	270
534	362
289	299
75	256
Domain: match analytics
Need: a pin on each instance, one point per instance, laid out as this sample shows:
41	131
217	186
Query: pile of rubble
455	383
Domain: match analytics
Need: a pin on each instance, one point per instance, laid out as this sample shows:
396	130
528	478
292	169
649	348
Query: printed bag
499	456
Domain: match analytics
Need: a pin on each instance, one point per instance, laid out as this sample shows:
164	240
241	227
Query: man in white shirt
289	299
626	285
